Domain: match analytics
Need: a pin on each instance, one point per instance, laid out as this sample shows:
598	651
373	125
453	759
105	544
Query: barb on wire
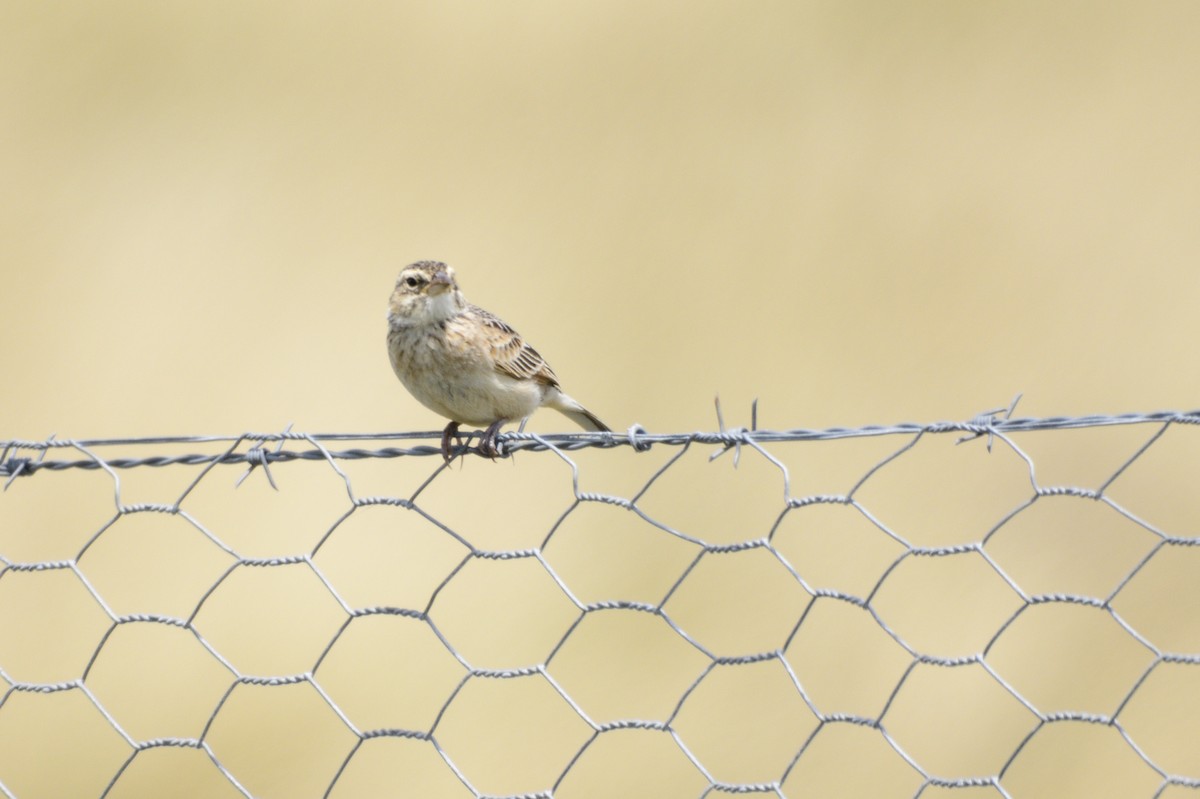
988	420
740	433
15	467
257	456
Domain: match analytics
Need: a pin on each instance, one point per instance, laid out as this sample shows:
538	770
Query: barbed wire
784	680
636	437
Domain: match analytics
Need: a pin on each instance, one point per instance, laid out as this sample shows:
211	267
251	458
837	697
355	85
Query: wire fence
999	606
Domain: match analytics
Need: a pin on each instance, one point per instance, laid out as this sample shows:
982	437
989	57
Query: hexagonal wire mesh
853	612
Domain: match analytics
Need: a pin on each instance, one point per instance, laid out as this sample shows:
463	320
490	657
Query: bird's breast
452	374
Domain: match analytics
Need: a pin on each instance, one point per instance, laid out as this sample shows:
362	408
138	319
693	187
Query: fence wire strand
25	461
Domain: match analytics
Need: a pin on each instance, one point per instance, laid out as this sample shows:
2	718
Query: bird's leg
451	431
487	444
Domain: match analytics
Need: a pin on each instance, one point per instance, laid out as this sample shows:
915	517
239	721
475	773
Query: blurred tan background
856	212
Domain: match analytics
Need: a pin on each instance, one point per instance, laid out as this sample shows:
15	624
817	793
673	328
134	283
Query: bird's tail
577	413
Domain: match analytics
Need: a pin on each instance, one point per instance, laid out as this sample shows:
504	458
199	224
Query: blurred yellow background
857	212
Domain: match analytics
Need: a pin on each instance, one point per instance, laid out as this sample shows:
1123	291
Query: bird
465	363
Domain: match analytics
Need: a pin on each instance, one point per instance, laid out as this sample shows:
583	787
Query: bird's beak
439	283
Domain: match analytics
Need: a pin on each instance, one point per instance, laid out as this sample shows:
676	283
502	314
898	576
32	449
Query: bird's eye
411	282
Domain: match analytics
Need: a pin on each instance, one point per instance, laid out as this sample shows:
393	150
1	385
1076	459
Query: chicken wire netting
997	607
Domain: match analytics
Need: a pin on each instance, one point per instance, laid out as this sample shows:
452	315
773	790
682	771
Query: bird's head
426	293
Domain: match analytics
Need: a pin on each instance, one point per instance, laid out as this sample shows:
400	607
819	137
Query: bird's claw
450	432
487	444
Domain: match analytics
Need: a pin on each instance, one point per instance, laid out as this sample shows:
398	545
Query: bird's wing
512	356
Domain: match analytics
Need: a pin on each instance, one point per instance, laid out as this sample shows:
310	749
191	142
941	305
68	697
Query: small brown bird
462	362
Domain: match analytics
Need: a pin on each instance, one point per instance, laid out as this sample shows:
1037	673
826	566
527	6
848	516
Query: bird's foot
487	444
451	431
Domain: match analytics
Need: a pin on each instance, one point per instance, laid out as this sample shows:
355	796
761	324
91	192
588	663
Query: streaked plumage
466	364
